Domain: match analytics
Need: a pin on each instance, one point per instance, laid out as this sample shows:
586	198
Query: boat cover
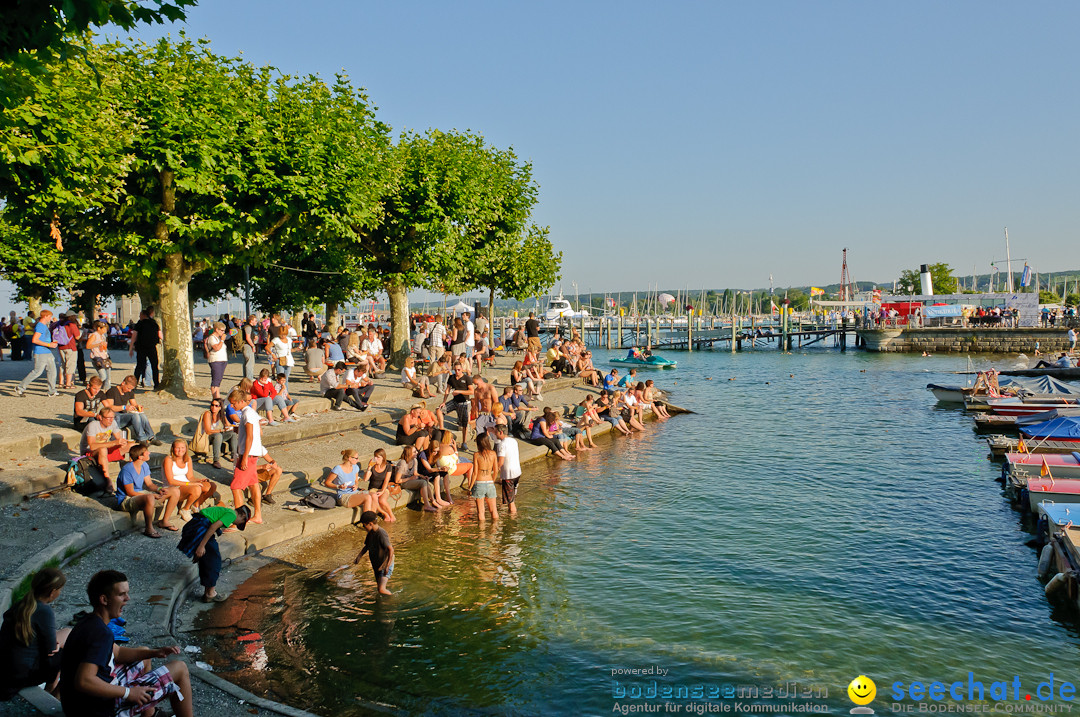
1063	428
1040	385
1044	416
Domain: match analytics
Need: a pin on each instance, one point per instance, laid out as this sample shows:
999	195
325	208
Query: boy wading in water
380	551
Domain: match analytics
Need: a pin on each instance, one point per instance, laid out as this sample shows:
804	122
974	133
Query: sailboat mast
1008	263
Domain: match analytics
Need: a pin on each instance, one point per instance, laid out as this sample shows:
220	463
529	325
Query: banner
1025	278
814	291
942	312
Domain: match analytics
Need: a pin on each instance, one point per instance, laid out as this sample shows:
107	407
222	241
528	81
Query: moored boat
949	394
1057	516
1058	465
1064	490
1010	406
1062	431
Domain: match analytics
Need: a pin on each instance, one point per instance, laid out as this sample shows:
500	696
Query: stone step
17	484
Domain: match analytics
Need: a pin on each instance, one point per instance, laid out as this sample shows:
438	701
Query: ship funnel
927	282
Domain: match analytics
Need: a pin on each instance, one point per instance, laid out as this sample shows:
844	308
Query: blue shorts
483	489
384	573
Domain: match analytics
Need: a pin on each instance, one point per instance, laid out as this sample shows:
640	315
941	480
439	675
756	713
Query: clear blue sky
714	143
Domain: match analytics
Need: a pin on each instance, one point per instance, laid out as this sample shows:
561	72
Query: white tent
459	307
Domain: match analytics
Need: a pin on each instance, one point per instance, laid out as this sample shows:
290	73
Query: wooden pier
697	333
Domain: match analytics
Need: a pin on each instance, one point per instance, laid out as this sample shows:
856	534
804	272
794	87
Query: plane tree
443	194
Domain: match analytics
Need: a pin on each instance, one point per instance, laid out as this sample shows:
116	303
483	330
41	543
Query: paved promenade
84	535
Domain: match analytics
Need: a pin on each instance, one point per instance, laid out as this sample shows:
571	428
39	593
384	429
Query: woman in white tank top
178	472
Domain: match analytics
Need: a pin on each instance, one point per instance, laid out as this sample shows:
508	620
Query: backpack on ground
518	430
320	500
85	476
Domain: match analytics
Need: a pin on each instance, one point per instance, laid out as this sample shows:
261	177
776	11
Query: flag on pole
1045	468
1021	447
1025	278
814	291
775	308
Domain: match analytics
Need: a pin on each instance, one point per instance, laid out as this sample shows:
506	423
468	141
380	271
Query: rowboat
1059	465
648	362
1058	516
1065	490
1009	406
949	394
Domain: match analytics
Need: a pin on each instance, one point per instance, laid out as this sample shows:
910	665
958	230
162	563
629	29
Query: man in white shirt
247	474
437	339
358	388
470	335
372	348
509	465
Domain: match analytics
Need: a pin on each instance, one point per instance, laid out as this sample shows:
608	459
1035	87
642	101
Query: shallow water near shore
796	532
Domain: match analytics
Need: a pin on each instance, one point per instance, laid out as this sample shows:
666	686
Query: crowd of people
456	404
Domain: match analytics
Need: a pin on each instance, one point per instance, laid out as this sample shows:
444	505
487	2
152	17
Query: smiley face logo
862	690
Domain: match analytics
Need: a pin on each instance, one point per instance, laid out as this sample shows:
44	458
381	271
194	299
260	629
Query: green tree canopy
1049	297
446	193
48	26
64	139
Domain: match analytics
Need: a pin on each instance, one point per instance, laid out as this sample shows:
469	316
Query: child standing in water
380	551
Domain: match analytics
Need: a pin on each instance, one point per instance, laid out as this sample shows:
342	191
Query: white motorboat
560	308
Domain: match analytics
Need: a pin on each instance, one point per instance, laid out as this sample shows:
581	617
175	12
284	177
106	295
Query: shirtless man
410	427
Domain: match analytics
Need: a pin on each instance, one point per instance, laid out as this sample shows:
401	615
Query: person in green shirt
198	541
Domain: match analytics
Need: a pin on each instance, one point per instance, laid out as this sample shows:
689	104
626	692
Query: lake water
819	518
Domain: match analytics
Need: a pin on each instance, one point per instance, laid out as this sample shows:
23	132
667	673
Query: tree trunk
333	318
399	323
178	366
33	304
294	320
491	311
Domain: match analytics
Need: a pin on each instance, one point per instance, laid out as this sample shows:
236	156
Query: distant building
949	306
